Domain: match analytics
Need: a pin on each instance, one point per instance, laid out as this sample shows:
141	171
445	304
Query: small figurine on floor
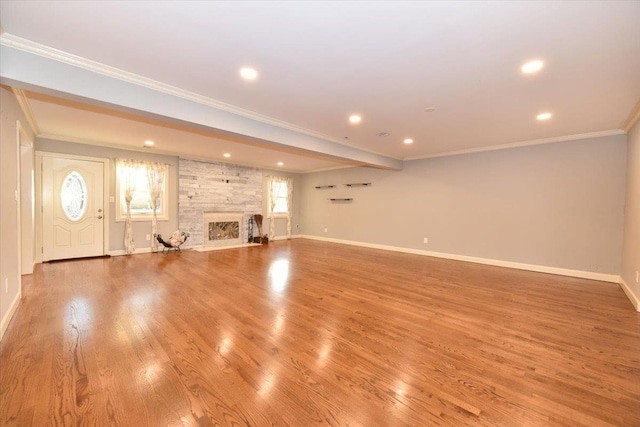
174	242
177	239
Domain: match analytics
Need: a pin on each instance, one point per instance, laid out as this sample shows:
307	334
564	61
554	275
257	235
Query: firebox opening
224	230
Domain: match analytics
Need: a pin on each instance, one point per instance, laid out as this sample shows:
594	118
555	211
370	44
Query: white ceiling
318	62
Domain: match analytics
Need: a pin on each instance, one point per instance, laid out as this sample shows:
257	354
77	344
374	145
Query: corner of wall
631	226
630	294
6	319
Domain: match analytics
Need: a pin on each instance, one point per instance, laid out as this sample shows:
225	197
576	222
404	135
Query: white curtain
155	175
276	187
290	204
127	174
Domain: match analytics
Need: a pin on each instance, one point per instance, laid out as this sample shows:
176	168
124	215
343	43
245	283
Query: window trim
286	214
121	215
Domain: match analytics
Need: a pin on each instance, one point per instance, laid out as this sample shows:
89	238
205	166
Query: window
141	207
73	196
280	199
280	193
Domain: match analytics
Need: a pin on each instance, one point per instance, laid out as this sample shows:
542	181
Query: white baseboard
613	278
293	236
4	324
632	296
121	252
219	248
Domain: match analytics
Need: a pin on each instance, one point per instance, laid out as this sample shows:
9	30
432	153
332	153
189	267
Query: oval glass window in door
73	196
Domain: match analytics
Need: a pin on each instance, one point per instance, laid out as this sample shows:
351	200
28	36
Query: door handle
99	216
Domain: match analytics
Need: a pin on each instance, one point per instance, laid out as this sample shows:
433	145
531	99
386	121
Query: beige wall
631	246
10	112
555	205
116	228
141	228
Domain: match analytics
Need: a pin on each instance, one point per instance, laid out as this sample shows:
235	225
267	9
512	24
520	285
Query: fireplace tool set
262	238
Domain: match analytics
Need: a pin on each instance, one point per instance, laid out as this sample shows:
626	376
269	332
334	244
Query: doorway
73	207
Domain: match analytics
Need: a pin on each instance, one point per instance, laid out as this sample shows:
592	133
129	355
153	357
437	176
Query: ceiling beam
43	73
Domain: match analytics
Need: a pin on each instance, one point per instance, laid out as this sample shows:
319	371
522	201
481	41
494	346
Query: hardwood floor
304	333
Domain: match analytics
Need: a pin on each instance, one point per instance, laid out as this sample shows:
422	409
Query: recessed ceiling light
532	66
280	164
543	116
248	73
227	155
354	118
430	109
408	141
149	143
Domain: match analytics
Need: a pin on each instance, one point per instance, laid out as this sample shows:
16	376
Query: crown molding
634	117
243	164
332	169
44	51
23	101
589	135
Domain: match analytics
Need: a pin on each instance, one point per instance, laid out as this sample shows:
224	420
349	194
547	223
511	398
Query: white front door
72	208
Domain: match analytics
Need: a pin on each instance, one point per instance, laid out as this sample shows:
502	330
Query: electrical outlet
326	229
112	199
6	285
148	237
426	240
637	276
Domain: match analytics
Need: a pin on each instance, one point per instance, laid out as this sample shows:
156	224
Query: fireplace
223	228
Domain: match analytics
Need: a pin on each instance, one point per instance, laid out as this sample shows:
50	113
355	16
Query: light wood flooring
304	333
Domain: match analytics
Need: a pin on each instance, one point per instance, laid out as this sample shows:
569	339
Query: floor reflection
225	346
278	324
325	350
279	275
79	313
267	383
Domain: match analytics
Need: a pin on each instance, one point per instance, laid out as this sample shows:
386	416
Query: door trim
24	140
105	194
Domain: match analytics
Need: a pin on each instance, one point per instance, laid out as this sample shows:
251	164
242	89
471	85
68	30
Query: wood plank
308	333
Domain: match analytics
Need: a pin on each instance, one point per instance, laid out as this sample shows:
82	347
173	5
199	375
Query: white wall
10	290
631	246
555	205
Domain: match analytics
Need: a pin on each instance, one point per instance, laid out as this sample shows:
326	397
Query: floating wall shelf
340	200
319	187
359	184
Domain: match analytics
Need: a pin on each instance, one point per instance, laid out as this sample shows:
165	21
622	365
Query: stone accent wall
216	187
